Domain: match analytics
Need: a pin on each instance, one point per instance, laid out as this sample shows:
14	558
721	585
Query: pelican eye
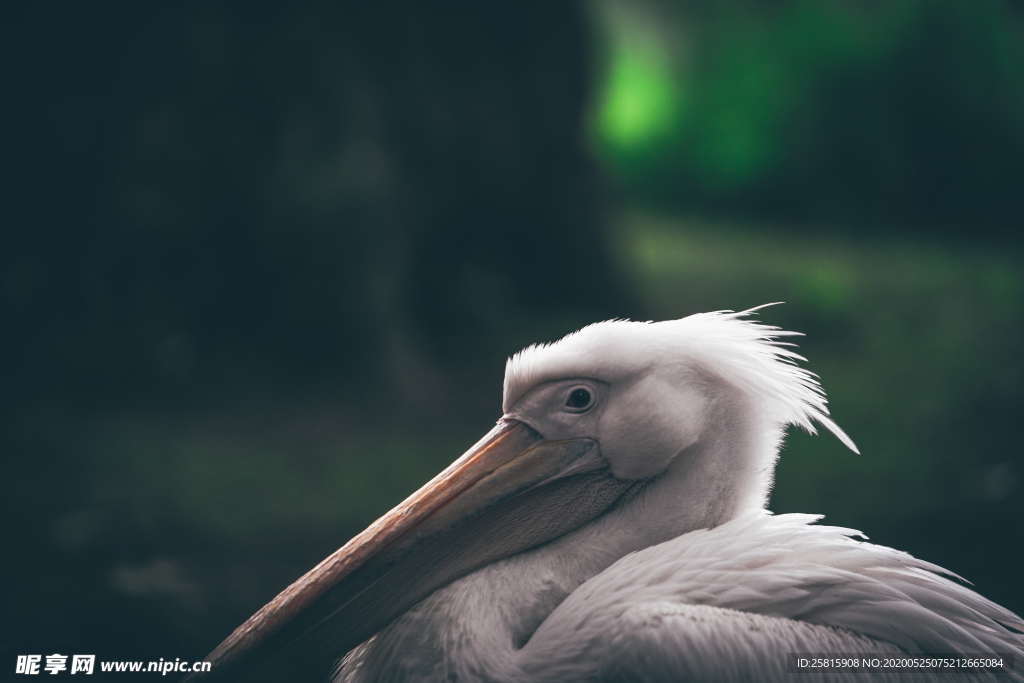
579	399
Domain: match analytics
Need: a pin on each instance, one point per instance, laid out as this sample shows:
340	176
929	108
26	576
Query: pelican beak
511	491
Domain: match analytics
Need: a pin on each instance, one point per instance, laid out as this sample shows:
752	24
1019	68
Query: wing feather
766	583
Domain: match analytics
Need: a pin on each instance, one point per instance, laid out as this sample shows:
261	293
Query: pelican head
679	419
645	392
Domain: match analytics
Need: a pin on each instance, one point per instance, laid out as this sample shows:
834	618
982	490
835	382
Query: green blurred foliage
863	113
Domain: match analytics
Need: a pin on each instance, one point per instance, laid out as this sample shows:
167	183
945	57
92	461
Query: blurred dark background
263	262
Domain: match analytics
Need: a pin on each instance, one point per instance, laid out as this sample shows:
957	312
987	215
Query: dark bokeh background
262	264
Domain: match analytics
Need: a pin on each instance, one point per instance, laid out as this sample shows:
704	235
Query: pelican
612	526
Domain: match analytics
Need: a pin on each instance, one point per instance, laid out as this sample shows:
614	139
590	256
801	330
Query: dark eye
578	399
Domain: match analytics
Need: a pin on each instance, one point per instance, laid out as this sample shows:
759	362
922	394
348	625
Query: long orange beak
455	523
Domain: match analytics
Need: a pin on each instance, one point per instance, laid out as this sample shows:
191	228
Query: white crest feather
746	353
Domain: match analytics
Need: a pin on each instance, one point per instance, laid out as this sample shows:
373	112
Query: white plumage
729	602
686	577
